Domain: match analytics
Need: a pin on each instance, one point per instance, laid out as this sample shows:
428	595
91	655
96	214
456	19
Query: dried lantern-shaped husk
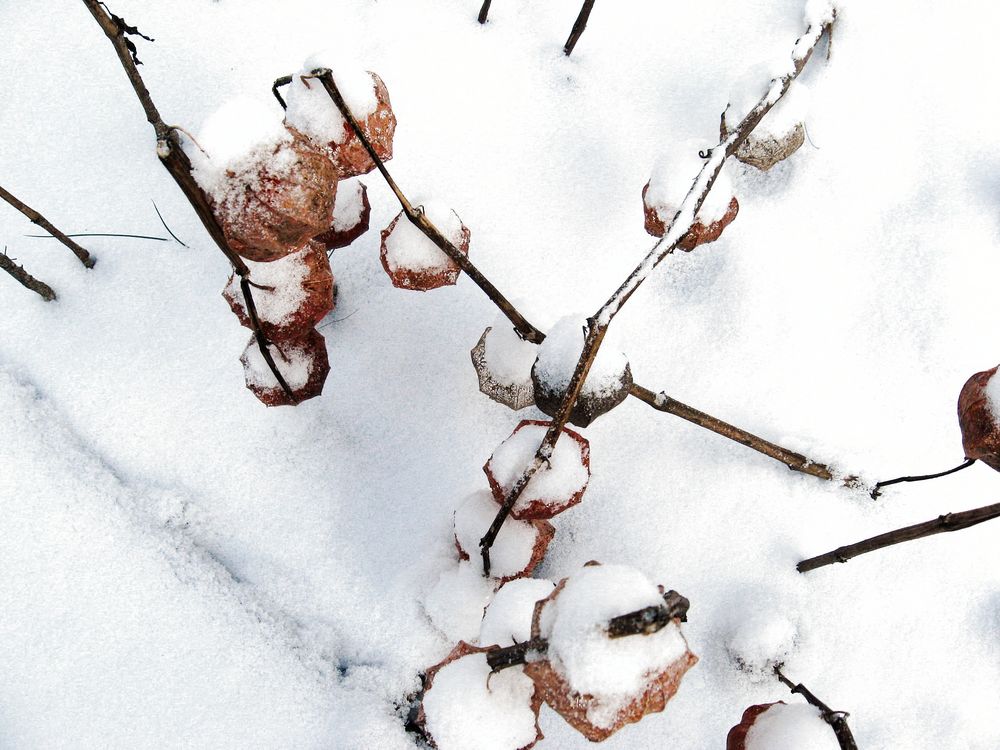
412	261
303	364
978	419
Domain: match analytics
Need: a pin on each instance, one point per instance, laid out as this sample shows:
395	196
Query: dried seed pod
519	546
272	206
979	418
596	683
311	110
291	294
503	364
607	384
556	486
351	216
782	130
671	181
414	262
303	364
465	706
770	725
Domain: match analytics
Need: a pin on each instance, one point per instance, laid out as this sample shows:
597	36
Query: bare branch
177	163
578	27
791	459
37	218
878	486
836	719
26	280
940	525
484	12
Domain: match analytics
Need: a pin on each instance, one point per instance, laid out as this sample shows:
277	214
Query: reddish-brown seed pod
736	739
412	261
556	486
350	157
595	716
351	216
291	294
476	704
303	364
274	206
658	219
979	421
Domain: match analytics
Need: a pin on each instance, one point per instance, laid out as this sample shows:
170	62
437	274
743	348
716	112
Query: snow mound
455	604
760	641
312	111
791	726
508	618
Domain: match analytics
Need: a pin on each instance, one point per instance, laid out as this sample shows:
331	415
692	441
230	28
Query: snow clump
519	546
508	618
790	726
456	603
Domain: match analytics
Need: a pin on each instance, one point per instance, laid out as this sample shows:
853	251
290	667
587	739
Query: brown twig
879	485
940	525
26	280
836	719
794	461
645	621
177	163
484	12
597	325
578	27
36	218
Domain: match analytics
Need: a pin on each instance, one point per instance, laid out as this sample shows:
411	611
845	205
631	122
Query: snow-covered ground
182	567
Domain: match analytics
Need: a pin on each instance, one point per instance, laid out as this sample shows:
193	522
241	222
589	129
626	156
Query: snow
554	483
348	205
992	391
559	354
512	550
508	356
508	618
760	641
456	602
839	315
791	726
613	670
312	111
408	248
294	360
819	12
674	172
285	277
782	119
467	708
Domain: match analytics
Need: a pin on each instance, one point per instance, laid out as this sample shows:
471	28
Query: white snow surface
839	315
555	482
613	670
560	352
408	247
508	618
456	602
670	181
511	552
791	726
467	708
310	108
508	356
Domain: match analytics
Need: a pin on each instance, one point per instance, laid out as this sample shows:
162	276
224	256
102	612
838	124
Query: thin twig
939	525
879	485
791	459
836	719
484	12
26	280
578	27
98	234
283	81
36	218
164	223
597	325
177	163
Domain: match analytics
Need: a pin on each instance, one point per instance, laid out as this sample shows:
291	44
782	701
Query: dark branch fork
836	719
939	525
36	218
177	163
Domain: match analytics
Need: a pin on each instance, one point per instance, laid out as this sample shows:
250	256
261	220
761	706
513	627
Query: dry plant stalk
39	220
26	280
836	719
177	163
578	26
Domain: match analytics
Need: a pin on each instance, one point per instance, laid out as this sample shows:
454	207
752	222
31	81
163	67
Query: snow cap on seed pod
457	600
303	363
466	706
271	189
979	417
782	726
672	177
556	486
351	216
607	383
412	261
291	295
595	682
313	112
508	618
503	362
519	546
782	130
